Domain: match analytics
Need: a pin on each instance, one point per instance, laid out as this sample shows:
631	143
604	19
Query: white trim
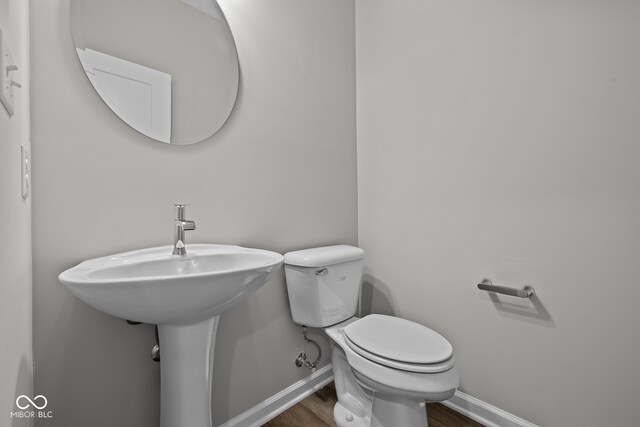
280	402
483	412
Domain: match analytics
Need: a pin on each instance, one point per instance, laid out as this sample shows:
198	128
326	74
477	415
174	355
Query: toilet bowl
395	389
385	367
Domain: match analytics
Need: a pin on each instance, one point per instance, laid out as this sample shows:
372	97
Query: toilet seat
399	343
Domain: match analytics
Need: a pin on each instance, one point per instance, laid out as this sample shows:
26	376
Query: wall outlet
7	68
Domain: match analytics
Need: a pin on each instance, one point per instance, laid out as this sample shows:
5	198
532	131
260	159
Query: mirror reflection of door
140	95
167	68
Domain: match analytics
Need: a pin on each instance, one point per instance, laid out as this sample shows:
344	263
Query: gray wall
500	139
15	227
279	175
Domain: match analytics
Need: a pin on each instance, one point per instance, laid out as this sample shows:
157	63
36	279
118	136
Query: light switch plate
6	88
26	172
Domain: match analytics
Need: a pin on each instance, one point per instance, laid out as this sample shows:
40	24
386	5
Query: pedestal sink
184	295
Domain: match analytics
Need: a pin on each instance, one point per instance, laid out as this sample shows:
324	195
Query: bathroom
452	141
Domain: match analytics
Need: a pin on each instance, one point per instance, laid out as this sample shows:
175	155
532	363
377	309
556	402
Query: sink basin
184	295
153	286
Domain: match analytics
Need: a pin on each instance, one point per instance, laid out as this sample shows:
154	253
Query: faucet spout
187	225
180	225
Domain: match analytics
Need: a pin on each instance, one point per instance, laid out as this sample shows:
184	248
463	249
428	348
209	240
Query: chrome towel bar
487	285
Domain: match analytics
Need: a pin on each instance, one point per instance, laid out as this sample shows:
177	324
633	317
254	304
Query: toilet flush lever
322	272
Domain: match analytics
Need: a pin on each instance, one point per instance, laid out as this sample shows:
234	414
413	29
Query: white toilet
385	367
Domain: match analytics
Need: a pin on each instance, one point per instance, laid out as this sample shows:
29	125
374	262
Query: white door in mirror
141	96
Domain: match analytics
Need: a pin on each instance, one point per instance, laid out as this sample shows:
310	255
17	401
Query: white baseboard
483	412
282	401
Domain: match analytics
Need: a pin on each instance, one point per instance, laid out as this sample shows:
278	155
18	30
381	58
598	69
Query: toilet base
386	412
397	411
345	418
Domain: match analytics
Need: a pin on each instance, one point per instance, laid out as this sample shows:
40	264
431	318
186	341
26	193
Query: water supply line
301	360
155	351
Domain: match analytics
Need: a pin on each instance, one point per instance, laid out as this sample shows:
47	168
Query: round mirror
168	68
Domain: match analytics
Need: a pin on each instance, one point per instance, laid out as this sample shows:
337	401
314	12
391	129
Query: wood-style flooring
317	411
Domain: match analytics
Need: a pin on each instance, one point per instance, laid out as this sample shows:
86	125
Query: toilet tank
323	284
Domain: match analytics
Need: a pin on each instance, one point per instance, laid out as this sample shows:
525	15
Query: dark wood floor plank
298	416
321	403
449	417
436	423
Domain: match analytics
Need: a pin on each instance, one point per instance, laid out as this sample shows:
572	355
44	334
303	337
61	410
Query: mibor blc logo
31	408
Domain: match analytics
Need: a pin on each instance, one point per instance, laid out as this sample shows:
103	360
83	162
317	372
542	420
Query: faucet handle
179	210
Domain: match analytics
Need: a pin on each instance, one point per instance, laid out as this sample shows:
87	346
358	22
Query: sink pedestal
186	370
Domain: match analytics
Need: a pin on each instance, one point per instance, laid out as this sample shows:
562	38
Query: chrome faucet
180	225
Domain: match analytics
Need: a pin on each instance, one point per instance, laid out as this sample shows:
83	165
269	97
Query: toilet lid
398	339
430	368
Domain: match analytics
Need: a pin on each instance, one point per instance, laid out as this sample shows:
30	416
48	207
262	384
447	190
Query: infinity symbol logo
22	397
